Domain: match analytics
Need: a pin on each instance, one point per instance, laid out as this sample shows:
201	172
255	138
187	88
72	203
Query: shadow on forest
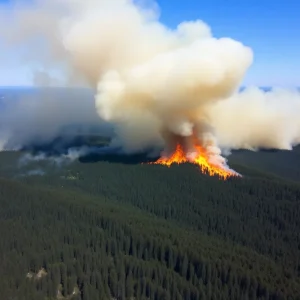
257	151
62	144
97	149
127	159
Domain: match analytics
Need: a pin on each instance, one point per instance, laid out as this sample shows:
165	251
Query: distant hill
283	163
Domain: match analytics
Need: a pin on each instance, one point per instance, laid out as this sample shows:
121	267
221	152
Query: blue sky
270	27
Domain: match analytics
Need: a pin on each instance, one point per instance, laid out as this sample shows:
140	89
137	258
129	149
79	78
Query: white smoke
254	119
36	172
71	155
156	85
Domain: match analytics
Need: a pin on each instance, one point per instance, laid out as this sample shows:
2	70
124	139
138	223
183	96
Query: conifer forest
110	227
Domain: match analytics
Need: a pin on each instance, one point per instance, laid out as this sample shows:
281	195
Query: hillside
110	227
282	163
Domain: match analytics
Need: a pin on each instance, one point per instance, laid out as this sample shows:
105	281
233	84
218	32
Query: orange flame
200	159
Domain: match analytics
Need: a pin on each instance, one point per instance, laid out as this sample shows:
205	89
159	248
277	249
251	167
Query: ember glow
200	158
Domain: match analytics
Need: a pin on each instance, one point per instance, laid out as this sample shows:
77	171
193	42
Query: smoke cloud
71	155
157	86
38	116
66	156
256	119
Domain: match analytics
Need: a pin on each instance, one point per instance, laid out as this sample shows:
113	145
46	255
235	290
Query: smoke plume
36	117
158	86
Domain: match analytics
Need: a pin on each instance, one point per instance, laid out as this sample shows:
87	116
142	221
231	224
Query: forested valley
98	229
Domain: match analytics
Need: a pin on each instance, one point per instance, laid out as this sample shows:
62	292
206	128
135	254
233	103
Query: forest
109	227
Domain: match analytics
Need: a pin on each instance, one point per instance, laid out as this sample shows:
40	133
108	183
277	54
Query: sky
270	28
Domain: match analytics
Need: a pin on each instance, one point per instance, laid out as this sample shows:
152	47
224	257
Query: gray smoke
39	116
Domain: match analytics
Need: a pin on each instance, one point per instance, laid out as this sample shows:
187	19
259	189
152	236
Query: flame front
200	158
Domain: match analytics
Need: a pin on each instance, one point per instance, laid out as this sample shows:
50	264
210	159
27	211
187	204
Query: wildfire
200	159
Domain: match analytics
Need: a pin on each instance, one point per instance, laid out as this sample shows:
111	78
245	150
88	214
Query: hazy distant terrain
283	163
